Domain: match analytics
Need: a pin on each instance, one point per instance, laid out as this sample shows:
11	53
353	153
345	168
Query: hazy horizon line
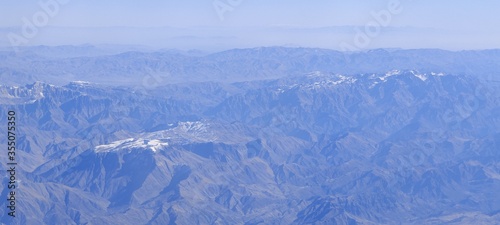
153	49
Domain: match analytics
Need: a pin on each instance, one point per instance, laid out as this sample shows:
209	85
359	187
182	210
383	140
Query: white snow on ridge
184	132
132	143
437	74
327	80
422	77
390	74
317	80
198	131
80	82
192	126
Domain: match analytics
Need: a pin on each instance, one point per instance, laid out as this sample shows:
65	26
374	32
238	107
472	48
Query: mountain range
255	136
108	65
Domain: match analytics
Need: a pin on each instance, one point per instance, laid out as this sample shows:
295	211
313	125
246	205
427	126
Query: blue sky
472	25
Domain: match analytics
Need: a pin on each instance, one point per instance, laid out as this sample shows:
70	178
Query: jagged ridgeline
392	147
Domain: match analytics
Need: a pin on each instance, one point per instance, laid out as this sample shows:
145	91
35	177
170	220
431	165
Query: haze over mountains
254	136
106	65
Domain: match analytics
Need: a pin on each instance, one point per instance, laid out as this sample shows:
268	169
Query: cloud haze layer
221	24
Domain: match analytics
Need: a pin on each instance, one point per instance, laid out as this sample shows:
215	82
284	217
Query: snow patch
422	77
80	82
329	81
131	143
184	132
437	74
390	74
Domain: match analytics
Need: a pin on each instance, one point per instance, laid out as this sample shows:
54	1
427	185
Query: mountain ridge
321	147
152	69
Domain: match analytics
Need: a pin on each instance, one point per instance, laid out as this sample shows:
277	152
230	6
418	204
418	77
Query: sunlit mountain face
255	136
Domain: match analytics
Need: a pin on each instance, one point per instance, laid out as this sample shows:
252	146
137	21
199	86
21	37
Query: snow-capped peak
131	143
422	77
390	74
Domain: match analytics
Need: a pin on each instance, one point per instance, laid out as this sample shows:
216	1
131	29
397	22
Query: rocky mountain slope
399	147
